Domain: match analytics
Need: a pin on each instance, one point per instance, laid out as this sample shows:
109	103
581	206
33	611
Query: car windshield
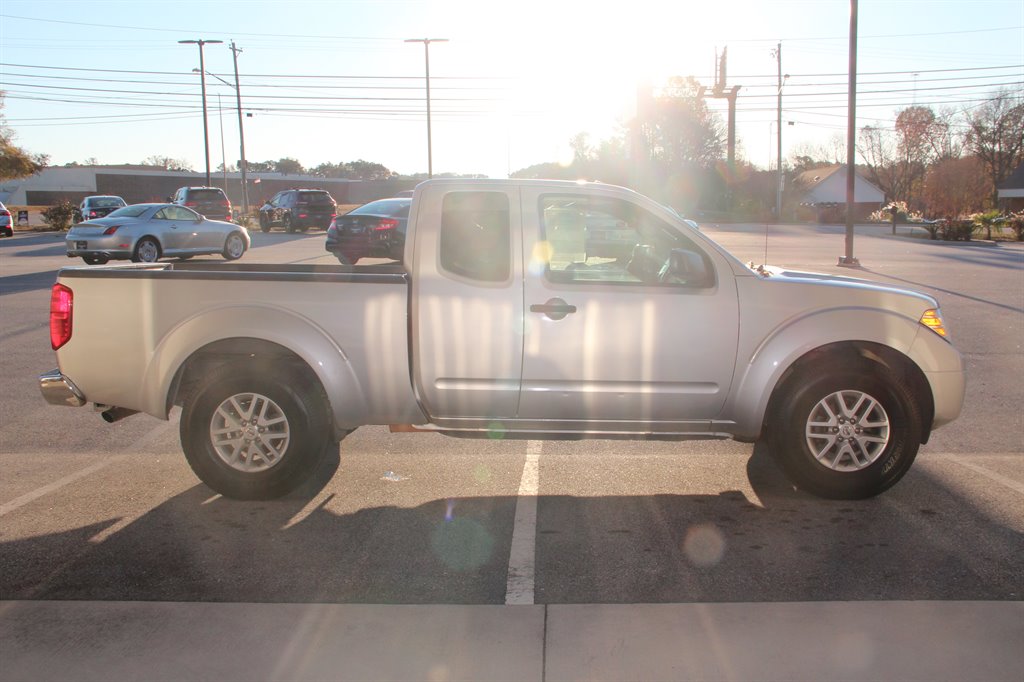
316	198
390	207
129	211
206	195
106	202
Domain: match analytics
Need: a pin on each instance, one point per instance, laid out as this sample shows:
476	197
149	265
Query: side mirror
690	268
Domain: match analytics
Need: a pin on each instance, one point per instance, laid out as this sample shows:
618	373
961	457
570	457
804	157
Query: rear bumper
57	389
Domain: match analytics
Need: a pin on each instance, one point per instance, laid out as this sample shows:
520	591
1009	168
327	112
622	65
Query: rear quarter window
476	236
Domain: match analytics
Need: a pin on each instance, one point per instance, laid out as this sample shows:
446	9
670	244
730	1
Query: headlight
932	319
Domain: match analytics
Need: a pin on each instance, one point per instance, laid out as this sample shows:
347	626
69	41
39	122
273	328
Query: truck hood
854	284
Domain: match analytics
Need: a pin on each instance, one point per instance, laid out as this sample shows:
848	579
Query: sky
335	80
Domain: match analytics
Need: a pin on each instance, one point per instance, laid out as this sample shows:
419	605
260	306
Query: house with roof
821	195
1010	191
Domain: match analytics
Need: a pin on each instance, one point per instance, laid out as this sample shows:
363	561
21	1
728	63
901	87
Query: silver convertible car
146	233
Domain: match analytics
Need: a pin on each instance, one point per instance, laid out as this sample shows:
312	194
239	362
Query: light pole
241	132
426	55
778	157
202	79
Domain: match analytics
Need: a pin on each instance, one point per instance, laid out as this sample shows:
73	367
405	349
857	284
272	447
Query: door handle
555	308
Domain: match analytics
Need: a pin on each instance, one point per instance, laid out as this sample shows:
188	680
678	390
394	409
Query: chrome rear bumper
59	390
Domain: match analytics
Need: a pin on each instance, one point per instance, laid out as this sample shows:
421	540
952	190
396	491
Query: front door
613	341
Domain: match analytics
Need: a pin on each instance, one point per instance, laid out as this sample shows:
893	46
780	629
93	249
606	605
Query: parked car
208	201
145	233
376	230
98	206
6	223
298	209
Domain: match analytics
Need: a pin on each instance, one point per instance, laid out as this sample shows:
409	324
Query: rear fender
293	332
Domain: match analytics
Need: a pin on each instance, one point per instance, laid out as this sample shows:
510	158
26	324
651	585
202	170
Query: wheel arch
897	365
254	333
885	337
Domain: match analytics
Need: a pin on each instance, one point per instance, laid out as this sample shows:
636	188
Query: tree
955	187
996	135
15	162
679	130
167	163
288	166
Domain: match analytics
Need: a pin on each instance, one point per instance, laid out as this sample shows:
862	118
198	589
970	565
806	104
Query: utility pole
719	93
848	259
202	80
426	55
241	134
778	131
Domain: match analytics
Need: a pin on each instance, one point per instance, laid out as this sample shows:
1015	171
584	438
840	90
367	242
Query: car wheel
256	433
264	223
287	222
7	231
234	246
845	434
146	251
95	259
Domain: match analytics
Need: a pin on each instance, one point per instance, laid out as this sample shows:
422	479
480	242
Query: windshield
389	207
106	202
315	198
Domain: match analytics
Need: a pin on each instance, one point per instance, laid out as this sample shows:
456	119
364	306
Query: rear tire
845	433
146	251
256	432
95	260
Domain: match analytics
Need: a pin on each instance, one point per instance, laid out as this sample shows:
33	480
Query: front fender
256	321
758	378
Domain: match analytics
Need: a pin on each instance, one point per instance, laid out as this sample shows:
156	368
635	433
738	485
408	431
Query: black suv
298	209
208	201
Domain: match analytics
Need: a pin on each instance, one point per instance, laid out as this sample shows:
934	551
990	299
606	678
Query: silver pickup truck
521	309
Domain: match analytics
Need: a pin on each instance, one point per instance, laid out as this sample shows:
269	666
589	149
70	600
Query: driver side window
607	241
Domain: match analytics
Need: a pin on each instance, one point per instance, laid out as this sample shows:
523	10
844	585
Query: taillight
5	213
386	224
93	214
191	204
303	215
61	304
111	230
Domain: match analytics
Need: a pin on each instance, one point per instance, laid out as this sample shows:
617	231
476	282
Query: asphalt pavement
399	561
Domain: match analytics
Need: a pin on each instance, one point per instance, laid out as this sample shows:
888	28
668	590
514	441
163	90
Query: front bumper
57	389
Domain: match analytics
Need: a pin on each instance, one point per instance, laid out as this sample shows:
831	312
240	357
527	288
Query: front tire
845	434
288	227
146	251
256	433
264	223
234	247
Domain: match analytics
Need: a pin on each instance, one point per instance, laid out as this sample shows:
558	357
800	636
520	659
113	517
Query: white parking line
522	556
988	473
20	502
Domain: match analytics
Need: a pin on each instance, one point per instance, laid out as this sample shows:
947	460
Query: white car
146	233
6	225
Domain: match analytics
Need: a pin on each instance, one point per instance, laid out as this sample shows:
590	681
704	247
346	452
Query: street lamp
426	54
202	79
241	131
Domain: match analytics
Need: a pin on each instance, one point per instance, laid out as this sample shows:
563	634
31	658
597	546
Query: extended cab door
465	250
614	335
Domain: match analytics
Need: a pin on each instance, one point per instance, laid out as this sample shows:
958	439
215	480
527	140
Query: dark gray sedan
146	233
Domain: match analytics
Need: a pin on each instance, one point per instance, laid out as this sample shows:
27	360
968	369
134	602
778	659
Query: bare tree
15	162
996	135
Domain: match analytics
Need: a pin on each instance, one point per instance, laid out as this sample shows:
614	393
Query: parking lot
91	512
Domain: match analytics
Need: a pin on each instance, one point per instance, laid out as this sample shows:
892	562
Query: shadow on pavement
782	546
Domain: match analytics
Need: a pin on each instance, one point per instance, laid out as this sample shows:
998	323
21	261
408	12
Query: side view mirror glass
690	268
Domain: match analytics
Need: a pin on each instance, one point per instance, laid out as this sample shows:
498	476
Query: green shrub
1015	221
60	216
957	230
